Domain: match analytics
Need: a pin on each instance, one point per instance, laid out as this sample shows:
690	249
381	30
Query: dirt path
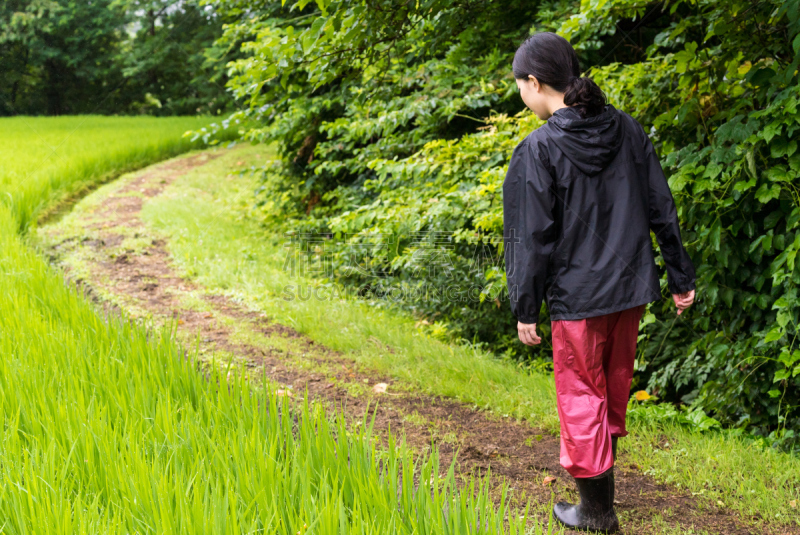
142	278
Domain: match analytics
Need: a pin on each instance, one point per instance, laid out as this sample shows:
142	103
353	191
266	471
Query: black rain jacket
579	200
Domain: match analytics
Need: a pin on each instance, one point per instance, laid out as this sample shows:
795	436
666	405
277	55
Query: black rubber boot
596	510
614	447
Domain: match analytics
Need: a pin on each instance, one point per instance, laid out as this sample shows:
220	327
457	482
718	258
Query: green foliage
57	56
167	69
388	128
647	412
110	56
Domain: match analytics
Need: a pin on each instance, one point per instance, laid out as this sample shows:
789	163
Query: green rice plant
47	160
109	427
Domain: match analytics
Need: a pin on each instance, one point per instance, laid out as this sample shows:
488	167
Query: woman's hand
527	333
683	301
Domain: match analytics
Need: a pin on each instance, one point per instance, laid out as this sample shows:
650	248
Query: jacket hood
590	143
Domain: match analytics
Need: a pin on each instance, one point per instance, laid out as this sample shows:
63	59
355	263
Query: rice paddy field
110	428
47	160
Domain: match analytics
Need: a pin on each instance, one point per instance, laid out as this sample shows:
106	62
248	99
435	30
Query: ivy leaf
780	375
755	243
788	358
780	303
765	194
713	170
760	77
794	163
793	218
751	164
773	335
772	219
683	58
783	319
771	130
781	147
715	234
727	296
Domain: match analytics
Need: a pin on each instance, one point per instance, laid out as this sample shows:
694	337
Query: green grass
110	428
214	240
47	160
725	469
108	431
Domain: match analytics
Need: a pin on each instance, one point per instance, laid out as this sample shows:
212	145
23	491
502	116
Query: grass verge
215	241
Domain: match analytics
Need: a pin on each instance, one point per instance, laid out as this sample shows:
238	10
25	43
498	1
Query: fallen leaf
281	393
793	504
239	163
380	388
642	395
209	315
548	480
181	322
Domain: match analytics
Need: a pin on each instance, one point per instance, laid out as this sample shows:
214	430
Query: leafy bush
395	125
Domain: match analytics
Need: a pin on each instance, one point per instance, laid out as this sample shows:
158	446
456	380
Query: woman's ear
536	84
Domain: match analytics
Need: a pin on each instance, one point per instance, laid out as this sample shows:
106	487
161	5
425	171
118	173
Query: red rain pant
593	365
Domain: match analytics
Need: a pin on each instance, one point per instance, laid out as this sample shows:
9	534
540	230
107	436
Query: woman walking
581	195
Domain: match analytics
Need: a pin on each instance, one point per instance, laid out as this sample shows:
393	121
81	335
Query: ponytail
552	60
585	95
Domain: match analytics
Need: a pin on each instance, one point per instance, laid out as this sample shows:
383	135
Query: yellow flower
642	395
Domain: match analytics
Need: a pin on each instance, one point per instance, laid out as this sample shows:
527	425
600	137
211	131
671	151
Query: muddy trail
143	282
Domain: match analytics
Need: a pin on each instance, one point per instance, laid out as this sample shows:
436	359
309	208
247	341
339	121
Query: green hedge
395	125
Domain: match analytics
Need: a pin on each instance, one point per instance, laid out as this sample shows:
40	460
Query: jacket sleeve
529	231
664	223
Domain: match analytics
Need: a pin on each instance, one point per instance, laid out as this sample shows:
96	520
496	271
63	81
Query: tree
58	56
165	61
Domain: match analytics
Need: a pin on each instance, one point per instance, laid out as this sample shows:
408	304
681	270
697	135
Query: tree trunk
53	92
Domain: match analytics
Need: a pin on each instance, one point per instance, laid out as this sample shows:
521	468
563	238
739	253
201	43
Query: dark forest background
60	57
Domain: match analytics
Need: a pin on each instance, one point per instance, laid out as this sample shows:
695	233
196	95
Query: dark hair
553	61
